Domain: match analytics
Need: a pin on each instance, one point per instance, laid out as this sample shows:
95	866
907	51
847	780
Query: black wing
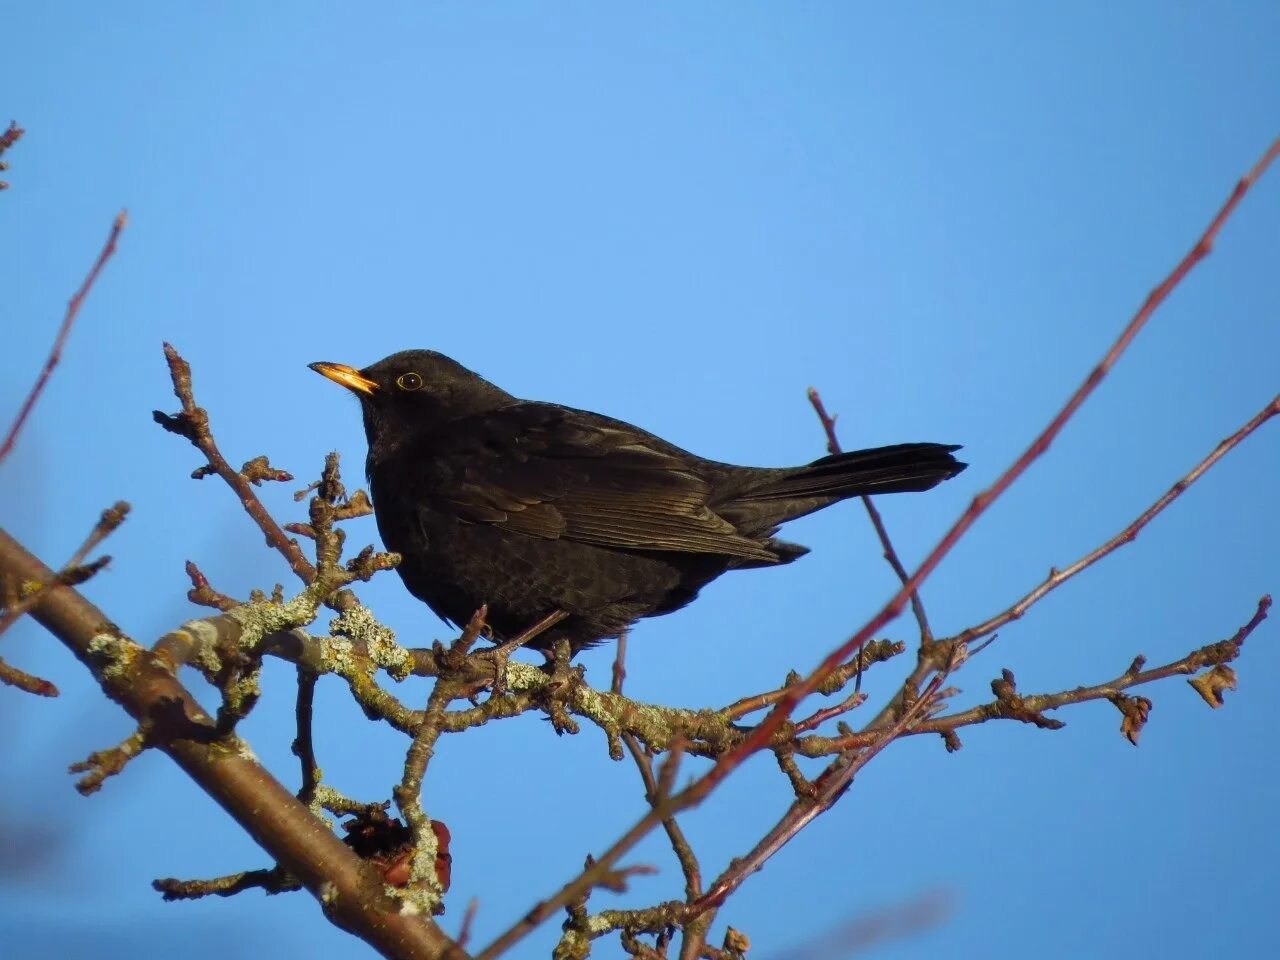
558	473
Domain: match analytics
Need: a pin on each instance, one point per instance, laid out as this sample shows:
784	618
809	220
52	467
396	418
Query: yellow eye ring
409	381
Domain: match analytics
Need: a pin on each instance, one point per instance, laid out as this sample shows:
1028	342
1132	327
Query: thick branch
350	892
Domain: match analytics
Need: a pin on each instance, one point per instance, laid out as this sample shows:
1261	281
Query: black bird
534	508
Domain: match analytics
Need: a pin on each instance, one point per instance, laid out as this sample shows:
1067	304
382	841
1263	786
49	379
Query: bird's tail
902	468
784	495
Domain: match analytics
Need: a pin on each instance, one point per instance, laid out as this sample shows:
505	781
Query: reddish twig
75	572
1058	577
73	308
11	676
763	734
203	594
1130	533
876	927
982	502
10	136
468	920
828	788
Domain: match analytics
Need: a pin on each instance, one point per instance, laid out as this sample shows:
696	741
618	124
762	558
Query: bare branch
223	766
193	423
891	923
11	676
764	732
982	502
1009	705
270	881
203	594
1130	533
102	764
873	513
811	803
76	571
69	318
303	745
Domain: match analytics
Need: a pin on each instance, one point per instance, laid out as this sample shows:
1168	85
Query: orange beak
349	377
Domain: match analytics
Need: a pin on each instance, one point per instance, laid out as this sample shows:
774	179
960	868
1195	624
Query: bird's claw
564	678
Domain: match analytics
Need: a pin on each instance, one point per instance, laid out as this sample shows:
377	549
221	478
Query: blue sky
682	216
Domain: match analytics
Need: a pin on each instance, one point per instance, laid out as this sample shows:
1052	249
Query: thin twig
10	136
11	676
69	318
193	423
102	764
303	744
619	664
1028	709
873	512
76	571
679	842
270	881
1058	577
468	920
408	791
876	651
873	928
1130	533
202	592
828	788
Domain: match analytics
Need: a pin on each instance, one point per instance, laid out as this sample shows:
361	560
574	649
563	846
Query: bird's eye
409	381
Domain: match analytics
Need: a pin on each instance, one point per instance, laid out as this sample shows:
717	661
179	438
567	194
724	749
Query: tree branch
890	553
69	318
764	732
349	891
192	422
1057	578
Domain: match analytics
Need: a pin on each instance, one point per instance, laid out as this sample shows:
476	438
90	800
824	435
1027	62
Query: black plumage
534	508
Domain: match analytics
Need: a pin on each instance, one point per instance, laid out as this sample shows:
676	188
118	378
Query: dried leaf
1135	711
1213	683
736	943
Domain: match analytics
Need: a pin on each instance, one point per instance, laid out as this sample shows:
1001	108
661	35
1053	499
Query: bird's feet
501	654
559	692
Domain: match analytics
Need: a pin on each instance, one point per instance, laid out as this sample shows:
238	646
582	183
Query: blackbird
537	509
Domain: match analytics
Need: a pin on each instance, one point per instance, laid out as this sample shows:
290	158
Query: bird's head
413	392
